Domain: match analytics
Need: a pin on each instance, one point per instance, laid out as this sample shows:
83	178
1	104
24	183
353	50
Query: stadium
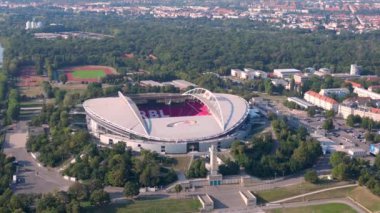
168	123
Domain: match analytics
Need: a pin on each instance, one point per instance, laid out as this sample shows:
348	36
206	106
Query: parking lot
31	177
341	135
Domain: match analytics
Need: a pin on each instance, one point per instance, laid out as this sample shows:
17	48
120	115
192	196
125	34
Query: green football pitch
88	74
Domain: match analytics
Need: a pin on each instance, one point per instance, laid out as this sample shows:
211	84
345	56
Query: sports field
88	73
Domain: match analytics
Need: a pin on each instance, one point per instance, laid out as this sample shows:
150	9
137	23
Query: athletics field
87	73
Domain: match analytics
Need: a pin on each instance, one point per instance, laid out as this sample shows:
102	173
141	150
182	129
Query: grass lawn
324	208
88	73
289	191
336	193
363	196
151	206
182	163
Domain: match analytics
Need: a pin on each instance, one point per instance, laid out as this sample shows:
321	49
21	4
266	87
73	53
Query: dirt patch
29	82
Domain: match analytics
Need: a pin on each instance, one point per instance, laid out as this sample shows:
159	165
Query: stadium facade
168	123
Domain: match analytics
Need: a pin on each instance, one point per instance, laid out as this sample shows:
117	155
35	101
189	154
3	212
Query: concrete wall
248	198
207	202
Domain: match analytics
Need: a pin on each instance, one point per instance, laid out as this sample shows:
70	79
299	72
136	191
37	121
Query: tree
197	169
350	121
49	69
15	203
328	124
377	162
99	197
116	177
63	78
311	111
302	133
340	172
178	188
330	114
336	158
229	168
131	189
73	207
311	176
49	203
78	192
268	87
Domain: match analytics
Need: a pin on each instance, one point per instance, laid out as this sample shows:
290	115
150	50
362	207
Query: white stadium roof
226	112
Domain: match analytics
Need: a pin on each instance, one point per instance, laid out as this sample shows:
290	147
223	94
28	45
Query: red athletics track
71	78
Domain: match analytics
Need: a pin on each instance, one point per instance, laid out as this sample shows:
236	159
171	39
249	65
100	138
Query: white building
236	72
285	73
372	113
366	93
355	69
248	73
356	152
339	92
256	73
278	82
321	101
327	145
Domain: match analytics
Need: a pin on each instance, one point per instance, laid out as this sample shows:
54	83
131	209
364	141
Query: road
32	177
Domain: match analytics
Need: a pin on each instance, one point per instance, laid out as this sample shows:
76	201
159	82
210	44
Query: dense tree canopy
262	157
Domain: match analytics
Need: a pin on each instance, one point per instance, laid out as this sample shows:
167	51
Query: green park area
363	196
324	208
360	195
294	190
88	73
151	206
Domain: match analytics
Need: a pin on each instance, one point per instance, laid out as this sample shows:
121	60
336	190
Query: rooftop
321	97
123	114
